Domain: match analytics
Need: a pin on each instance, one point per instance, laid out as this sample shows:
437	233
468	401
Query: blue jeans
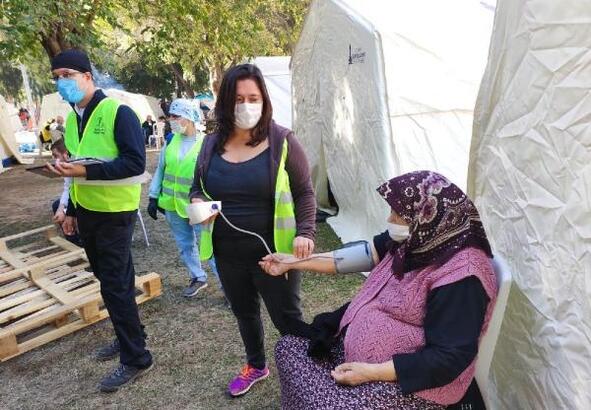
186	237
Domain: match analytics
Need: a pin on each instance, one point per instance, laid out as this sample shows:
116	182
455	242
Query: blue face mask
69	90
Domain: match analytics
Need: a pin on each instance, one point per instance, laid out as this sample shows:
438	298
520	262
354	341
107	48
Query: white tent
53	104
3	156
530	176
278	82
9	126
382	88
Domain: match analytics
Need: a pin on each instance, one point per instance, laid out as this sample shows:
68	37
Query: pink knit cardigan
386	317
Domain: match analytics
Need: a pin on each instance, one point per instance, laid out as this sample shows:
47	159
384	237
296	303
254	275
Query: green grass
195	343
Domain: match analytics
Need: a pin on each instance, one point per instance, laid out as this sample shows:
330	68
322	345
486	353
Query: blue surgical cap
185	108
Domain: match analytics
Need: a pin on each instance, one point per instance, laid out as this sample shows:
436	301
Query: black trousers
245	282
107	240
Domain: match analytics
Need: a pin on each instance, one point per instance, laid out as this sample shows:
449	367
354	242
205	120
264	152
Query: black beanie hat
74	59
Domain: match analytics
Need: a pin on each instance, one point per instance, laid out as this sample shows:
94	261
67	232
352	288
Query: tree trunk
55	42
183	84
216	73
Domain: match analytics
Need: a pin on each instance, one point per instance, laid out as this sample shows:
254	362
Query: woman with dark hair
260	173
409	338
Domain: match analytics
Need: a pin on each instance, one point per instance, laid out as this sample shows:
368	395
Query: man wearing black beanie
104	199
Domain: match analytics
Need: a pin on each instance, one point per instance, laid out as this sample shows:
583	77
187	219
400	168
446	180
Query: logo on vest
99	127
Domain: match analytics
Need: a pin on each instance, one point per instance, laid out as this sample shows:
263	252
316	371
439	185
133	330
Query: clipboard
43	171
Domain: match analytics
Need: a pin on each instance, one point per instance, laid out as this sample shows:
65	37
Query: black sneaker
121	376
194	287
108	352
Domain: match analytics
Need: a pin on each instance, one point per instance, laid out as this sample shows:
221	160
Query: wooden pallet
46	292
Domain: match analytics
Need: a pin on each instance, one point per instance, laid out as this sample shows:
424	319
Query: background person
59	206
417	321
148	128
45	136
57	129
170	187
260	173
26	120
102	127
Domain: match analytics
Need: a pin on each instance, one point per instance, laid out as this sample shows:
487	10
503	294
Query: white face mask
177	128
397	232
247	115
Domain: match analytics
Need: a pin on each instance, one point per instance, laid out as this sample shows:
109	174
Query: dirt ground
195	342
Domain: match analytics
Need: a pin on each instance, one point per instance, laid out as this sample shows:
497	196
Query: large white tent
382	88
53	105
530	176
278	81
9	126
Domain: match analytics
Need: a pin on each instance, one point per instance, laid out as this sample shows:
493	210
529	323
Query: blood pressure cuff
353	257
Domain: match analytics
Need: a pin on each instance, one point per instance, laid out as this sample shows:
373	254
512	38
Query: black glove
153	208
321	331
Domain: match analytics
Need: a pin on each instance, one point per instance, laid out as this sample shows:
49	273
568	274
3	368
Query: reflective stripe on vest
178	176
284	222
98	141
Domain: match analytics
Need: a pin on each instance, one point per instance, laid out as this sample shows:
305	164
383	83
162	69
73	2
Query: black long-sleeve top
129	139
453	321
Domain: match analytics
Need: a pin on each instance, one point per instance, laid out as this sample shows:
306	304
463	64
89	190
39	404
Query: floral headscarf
442	219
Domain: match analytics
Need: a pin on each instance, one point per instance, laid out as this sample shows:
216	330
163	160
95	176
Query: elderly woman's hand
277	263
352	374
302	247
356	373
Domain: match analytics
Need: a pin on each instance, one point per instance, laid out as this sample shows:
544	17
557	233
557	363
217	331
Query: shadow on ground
195	342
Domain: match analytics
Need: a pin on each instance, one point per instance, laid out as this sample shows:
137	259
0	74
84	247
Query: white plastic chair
489	340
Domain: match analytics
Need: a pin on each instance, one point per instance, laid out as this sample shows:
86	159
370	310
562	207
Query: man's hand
59	215
69	226
352	374
66	169
302	247
277	264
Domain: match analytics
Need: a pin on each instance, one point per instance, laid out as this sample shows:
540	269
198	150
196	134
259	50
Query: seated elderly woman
409	338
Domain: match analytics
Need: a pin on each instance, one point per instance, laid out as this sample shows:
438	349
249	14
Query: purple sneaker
248	376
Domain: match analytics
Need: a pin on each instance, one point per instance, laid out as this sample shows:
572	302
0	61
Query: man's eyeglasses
66	75
174	116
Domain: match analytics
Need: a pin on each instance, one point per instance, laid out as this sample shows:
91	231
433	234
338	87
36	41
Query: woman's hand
302	247
208	220
356	373
277	264
353	374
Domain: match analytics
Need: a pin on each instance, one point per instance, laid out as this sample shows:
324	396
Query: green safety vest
284	222
98	141
178	176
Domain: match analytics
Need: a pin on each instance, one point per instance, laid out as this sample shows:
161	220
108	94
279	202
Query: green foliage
11	80
150	46
214	34
131	70
28	27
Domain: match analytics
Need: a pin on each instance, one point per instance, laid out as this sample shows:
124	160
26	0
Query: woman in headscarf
409	338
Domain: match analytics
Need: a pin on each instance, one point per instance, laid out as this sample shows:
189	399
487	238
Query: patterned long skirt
306	383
